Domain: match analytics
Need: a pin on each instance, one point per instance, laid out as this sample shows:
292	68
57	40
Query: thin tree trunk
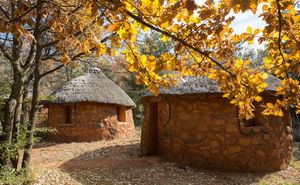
16	124
25	107
11	107
7	126
31	123
36	90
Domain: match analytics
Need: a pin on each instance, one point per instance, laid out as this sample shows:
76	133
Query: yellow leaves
126	31
253	8
258	98
164	38
265	7
157	3
65	59
143	61
277	112
241	63
165	24
115	26
226	95
212	76
262	87
264	75
100	49
272	109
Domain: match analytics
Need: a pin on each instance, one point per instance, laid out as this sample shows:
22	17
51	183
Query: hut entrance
157	137
152	131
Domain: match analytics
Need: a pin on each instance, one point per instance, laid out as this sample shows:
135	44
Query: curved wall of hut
88	121
203	130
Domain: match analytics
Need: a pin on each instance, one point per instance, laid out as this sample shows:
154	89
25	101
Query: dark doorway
153	129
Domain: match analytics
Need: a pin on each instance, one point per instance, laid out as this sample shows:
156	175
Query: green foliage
46	97
294	163
9	176
152	44
4	92
10	150
107	70
136	95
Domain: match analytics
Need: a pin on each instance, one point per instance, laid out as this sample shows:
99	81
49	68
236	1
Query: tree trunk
31	123
12	105
25	107
36	89
16	124
7	127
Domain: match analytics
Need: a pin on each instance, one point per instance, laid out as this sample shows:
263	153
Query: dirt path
119	162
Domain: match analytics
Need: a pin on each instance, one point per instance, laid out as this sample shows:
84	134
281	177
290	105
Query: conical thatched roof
203	84
93	86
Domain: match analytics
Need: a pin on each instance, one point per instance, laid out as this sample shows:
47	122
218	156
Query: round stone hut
193	124
89	108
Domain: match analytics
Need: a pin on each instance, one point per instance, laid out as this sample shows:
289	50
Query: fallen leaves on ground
119	162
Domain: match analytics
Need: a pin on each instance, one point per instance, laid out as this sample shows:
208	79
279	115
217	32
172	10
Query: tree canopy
203	41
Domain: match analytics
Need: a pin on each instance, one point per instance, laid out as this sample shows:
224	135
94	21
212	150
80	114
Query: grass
294	163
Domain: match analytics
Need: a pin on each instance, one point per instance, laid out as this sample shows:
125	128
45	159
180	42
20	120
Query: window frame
256	126
121	114
68	110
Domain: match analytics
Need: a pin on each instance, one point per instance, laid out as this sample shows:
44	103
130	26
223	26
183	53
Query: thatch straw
93	86
203	84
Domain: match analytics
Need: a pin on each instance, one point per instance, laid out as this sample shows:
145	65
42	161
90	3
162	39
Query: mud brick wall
91	122
204	131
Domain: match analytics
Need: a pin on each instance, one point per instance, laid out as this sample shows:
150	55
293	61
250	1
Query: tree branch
22	15
279	29
75	57
140	20
52	70
4	12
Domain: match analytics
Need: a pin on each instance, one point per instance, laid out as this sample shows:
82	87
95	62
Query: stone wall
204	131
91	122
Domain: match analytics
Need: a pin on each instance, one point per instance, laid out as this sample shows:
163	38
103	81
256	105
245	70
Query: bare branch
24	14
52	70
49	44
4	12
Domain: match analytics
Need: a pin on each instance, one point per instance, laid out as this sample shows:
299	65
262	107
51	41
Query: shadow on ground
297	151
44	144
123	164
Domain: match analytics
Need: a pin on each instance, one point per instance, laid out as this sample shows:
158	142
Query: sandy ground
119	162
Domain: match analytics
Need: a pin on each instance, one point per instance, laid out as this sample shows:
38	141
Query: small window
121	114
249	123
259	119
68	114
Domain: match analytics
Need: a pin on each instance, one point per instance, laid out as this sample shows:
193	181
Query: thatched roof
203	84
93	86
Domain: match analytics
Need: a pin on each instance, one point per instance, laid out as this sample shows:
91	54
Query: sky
247	19
244	20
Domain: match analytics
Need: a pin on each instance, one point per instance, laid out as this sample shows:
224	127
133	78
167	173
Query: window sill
122	122
254	129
